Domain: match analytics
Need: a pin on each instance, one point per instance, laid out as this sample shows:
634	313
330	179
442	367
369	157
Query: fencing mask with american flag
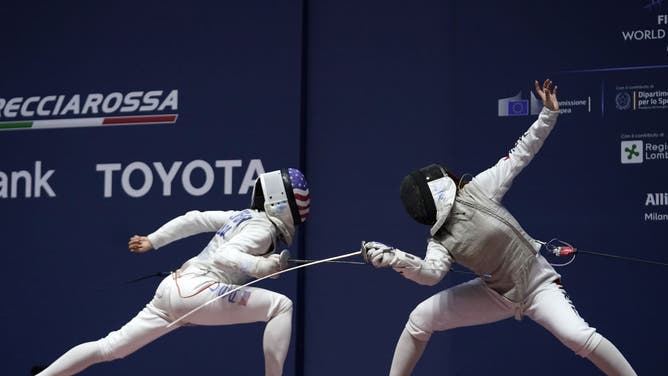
284	196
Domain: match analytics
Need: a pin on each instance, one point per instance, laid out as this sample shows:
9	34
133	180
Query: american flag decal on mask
301	192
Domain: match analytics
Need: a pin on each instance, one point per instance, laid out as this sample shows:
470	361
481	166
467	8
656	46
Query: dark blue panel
235	68
576	188
380	94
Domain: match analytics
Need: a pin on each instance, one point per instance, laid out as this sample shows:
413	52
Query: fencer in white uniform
244	246
470	226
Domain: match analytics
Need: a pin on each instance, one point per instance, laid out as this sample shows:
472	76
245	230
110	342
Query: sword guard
363	252
283	259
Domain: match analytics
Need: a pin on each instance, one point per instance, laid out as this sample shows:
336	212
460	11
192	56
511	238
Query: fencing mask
428	195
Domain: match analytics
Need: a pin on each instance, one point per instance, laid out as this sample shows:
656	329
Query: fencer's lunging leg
552	308
467	304
276	339
609	360
148	325
406	355
76	360
251	304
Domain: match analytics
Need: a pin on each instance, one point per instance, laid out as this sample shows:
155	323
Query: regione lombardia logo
632	151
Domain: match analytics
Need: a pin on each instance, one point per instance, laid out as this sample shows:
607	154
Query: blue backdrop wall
116	118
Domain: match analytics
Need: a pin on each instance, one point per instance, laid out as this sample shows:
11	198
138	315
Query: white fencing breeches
174	298
473	303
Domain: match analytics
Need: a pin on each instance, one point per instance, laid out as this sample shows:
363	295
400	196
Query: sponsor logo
638	151
196	178
91	110
27	183
632	151
623	101
518	106
641	97
140	179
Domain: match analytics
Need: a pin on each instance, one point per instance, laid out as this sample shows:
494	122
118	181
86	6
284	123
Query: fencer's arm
191	223
240	253
496	180
432	268
428	271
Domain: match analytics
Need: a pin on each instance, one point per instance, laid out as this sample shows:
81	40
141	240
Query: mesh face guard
257	198
427	195
273	189
416	199
269	196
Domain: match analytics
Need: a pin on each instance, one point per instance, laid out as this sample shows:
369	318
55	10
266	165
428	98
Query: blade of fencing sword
335	262
577	250
258	280
158	274
398	267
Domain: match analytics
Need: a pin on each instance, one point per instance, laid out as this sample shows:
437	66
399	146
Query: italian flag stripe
90	122
19	124
148	119
67	123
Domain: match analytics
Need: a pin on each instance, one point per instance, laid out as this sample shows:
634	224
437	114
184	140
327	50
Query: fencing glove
271	264
383	256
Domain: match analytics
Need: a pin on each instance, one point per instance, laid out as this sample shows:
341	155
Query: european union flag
518	107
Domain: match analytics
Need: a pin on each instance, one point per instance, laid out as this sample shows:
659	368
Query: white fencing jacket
231	255
483	236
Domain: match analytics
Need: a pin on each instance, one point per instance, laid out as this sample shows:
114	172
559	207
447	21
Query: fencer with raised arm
469	226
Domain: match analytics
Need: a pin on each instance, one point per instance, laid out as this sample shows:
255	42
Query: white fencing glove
383	256
271	264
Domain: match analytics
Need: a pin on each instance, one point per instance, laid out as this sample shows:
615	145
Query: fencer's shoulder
471	188
258	227
247	224
246	216
257	215
257	218
221	217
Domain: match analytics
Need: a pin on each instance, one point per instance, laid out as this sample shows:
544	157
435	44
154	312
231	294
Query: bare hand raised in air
548	94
